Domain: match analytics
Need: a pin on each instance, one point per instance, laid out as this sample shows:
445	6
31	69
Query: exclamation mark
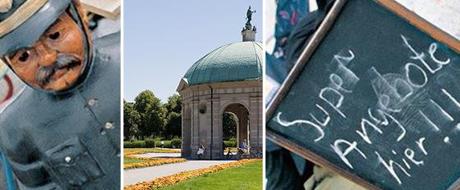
444	112
435	127
456	102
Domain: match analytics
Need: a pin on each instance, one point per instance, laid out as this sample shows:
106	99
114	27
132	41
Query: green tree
174	104
229	125
151	114
132	120
173	117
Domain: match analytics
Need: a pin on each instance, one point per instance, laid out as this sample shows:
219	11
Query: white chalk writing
343	154
300	121
408	101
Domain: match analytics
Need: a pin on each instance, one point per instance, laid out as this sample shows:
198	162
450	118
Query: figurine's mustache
63	61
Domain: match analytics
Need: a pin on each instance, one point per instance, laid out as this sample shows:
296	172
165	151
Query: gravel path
158	155
133	176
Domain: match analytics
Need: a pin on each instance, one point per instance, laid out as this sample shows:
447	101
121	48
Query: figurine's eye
24	56
54	35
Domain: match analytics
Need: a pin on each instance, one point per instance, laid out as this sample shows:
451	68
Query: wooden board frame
421	24
306	54
107	8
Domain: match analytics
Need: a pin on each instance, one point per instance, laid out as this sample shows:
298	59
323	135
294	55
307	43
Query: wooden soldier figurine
63	130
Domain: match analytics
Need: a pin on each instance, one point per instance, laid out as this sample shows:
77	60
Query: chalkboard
377	99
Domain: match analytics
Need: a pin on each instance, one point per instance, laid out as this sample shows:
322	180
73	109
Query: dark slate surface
365	74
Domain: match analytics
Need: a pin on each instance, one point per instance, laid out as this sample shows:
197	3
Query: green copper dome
238	61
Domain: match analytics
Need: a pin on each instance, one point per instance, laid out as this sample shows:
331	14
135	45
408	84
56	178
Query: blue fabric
288	14
8	173
276	68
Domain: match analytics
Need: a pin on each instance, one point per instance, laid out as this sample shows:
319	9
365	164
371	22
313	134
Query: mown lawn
247	177
130	160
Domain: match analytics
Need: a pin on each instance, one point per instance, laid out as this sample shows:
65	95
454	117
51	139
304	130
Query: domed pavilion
226	80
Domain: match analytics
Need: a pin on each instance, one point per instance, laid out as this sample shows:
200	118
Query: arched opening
235	126
230	129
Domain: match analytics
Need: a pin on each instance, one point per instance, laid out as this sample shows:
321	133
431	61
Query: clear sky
162	39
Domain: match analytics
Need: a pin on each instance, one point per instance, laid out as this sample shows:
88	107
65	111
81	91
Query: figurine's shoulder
108	46
16	117
19	107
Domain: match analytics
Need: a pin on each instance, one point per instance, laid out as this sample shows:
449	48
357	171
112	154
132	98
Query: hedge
150	143
166	144
230	143
176	143
134	144
153	143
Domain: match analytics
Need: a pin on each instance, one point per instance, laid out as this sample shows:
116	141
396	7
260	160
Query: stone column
243	122
186	130
205	131
194	127
256	125
217	151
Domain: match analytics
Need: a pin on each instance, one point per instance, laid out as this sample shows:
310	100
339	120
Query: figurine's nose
47	55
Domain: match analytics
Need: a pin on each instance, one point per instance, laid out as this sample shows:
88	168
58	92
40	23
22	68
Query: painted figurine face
56	60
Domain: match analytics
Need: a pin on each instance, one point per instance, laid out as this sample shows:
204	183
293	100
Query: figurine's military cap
22	22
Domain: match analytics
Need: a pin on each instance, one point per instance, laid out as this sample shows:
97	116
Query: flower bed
147	162
132	151
176	178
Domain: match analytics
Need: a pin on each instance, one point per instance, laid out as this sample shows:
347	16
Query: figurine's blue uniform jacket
71	140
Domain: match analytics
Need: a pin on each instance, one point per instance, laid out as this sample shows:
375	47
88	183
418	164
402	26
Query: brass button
67	159
109	125
92	102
